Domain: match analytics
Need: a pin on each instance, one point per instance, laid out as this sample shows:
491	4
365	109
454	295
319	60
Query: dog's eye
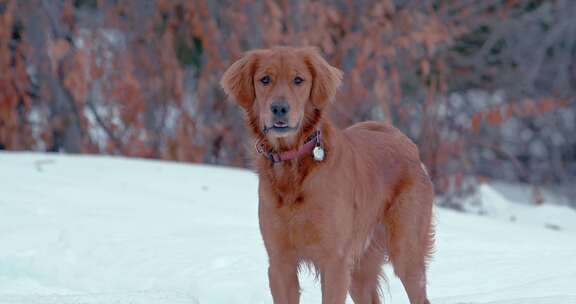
265	80
298	80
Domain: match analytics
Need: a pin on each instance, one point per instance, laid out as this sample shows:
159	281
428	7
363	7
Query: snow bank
84	230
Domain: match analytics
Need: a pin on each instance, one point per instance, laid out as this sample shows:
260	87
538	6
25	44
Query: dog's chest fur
292	205
287	182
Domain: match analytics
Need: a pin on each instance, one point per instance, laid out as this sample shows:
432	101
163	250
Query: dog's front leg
283	278
335	280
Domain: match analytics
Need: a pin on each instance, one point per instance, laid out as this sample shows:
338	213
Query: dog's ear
238	80
325	78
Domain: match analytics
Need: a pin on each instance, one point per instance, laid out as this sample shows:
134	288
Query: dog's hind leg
365	285
410	239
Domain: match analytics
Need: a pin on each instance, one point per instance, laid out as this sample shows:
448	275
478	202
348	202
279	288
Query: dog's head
282	88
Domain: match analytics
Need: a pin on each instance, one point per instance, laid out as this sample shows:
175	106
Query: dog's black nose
280	108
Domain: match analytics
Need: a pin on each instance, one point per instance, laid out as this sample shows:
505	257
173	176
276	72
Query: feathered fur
368	202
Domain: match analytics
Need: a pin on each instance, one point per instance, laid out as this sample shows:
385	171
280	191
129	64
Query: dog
344	201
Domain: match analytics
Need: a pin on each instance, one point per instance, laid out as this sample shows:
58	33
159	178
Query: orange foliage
122	77
528	108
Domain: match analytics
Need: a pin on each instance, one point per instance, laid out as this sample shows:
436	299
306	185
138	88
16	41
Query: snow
87	230
514	203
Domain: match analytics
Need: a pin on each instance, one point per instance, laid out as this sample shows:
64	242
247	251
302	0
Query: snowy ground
87	230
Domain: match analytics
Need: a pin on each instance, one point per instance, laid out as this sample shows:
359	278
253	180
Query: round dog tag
318	153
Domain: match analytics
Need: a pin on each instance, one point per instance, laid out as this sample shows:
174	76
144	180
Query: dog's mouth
281	126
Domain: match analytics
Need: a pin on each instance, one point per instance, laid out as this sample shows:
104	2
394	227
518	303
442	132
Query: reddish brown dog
345	201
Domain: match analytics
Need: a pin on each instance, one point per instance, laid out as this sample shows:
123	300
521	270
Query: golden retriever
345	201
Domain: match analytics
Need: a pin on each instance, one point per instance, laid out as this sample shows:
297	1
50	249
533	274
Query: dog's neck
286	178
312	142
298	148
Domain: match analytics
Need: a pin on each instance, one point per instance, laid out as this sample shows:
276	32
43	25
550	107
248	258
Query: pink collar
307	148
